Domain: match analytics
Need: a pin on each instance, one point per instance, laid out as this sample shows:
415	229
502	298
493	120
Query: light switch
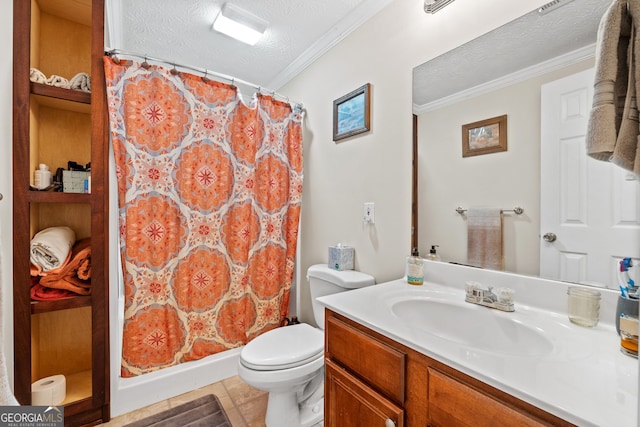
369	213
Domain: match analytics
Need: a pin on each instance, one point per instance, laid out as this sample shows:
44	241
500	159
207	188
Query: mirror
504	72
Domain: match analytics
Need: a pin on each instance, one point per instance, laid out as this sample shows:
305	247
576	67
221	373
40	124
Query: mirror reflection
580	216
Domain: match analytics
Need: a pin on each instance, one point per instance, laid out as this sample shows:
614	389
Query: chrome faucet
502	299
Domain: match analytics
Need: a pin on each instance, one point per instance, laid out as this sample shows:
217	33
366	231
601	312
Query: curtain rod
205	72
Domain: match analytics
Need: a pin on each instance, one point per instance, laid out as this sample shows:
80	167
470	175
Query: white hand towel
51	247
81	81
37	76
58	81
484	238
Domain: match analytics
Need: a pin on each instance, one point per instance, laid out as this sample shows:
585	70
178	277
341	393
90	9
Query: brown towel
614	129
73	276
484	238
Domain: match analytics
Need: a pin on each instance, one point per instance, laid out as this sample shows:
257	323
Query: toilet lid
284	347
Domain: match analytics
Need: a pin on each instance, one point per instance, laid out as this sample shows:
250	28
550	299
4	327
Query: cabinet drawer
380	365
453	403
351	403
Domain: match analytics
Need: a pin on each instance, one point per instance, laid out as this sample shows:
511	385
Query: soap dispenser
433	255
415	268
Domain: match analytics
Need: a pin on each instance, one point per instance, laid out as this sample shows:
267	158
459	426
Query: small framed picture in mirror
485	136
351	113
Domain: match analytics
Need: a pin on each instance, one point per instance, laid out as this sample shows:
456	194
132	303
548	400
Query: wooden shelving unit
54	125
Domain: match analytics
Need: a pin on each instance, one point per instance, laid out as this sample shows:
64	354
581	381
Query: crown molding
559	62
346	26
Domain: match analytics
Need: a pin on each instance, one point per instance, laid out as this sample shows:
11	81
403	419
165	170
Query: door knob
389	423
549	237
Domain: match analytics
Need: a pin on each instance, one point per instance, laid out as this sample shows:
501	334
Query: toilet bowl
288	362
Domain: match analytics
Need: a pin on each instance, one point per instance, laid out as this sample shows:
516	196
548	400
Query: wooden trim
99	213
414	185
21	171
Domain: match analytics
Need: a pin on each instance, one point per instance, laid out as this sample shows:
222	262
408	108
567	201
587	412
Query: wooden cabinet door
453	403
351	403
364	355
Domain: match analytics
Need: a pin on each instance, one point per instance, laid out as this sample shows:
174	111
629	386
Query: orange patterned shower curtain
209	203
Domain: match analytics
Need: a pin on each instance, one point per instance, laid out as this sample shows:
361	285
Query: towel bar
517	210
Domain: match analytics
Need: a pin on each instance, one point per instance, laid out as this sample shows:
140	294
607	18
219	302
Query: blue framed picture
351	113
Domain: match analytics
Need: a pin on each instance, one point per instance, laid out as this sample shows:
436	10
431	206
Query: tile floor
245	406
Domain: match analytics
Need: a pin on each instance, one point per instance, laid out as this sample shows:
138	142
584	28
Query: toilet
288	362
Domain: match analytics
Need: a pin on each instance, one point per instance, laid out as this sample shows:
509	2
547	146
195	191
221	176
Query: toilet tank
325	281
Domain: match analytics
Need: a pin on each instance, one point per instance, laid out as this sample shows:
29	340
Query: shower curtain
209	193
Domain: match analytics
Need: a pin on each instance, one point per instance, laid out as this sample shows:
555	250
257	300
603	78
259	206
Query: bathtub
129	394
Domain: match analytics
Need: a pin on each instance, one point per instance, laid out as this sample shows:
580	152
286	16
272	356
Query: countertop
585	380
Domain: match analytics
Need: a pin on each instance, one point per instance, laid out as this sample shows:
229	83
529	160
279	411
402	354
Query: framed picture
486	136
351	113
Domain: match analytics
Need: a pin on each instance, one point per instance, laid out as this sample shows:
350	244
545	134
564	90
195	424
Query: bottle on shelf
42	177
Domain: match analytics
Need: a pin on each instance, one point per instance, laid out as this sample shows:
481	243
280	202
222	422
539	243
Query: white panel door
590	207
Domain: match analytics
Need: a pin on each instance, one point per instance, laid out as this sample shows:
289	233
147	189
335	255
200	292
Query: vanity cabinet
372	380
354	403
52	125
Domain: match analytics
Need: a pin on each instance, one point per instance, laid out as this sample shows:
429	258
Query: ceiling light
432	6
240	24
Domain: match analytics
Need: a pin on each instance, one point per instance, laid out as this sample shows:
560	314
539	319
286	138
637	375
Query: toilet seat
283	348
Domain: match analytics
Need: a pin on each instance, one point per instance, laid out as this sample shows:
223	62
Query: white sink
473	326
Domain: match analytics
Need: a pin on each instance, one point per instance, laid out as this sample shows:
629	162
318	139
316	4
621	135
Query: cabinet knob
389	423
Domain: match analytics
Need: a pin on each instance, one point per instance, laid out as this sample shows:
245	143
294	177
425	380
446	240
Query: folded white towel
81	81
58	81
51	247
37	76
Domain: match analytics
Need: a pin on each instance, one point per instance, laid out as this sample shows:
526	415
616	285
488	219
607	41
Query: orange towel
76	274
42	293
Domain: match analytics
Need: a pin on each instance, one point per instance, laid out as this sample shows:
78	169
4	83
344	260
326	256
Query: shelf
78	387
58	197
53	125
60	93
38	307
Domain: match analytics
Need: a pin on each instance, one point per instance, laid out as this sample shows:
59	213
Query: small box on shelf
75	181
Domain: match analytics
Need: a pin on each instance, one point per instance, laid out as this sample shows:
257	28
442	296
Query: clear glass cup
583	306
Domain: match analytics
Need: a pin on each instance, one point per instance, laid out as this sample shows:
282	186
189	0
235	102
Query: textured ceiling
180	31
524	42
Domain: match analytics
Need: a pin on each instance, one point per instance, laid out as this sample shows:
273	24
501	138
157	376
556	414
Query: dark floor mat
204	411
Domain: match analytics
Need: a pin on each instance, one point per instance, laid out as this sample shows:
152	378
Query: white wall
375	166
339	178
505	179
